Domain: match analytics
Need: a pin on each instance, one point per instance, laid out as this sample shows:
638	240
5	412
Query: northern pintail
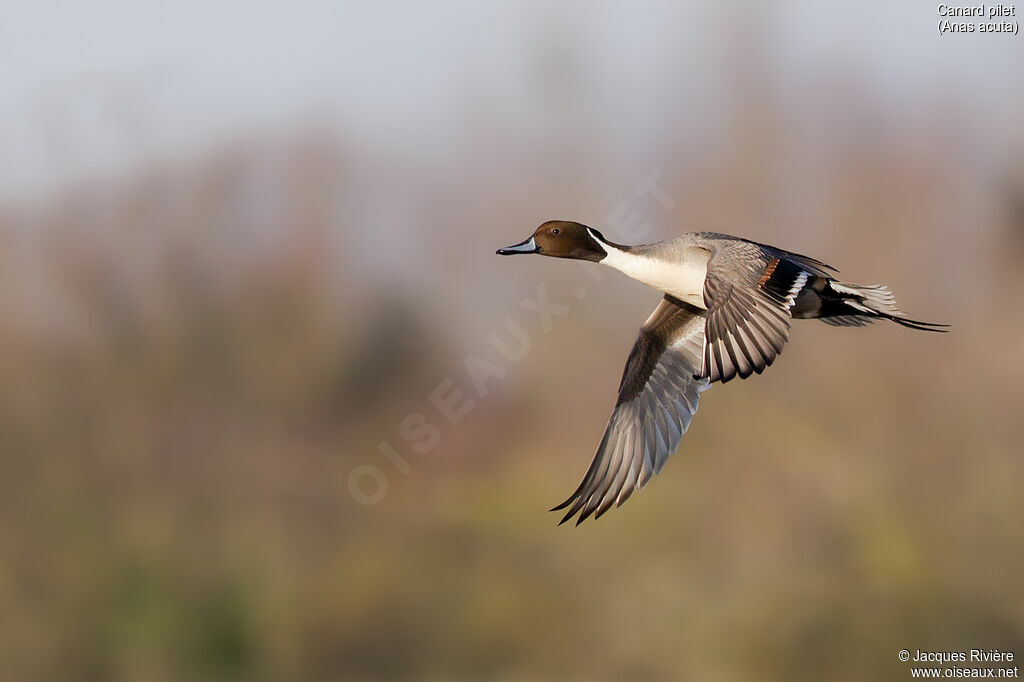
726	311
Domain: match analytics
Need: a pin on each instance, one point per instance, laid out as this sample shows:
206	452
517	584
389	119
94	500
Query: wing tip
584	511
563	505
572	513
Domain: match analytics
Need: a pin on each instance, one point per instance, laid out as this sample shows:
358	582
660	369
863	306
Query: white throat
681	276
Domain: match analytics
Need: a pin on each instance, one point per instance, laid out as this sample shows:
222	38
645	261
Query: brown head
561	239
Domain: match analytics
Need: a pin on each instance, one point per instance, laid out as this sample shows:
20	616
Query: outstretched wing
658	396
749	291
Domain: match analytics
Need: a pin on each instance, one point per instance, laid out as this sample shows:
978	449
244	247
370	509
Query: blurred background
243	244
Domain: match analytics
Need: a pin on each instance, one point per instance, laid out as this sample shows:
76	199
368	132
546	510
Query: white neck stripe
682	277
597	238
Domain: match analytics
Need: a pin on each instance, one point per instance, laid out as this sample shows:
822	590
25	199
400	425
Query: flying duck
726	311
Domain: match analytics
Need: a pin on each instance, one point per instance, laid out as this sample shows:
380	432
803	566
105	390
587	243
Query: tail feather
857	304
847	320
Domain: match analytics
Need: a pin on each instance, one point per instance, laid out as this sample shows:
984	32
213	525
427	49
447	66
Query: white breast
682	276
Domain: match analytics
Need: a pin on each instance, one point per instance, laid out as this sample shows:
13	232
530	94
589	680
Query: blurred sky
97	89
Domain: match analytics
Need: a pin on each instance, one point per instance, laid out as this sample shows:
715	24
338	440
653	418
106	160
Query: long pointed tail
857	304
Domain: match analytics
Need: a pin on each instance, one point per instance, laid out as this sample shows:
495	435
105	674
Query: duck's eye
555	231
